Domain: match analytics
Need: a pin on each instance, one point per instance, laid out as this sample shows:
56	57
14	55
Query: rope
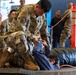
59	21
57	24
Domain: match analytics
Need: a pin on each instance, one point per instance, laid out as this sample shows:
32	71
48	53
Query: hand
37	38
44	43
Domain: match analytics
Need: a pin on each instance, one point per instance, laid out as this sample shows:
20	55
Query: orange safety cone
73	36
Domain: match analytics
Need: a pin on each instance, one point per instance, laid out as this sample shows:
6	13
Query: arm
3	27
41	59
65	15
47	49
44	32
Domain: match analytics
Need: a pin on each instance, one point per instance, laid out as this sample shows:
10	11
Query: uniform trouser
64	36
41	59
18	43
16	46
2	43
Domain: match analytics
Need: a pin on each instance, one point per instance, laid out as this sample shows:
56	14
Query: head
22	2
58	13
12	14
69	5
42	7
53	59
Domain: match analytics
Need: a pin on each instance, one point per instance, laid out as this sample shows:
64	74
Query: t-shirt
57	29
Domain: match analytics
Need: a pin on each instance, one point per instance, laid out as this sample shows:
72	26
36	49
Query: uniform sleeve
23	14
3	27
44	32
43	29
65	14
47	51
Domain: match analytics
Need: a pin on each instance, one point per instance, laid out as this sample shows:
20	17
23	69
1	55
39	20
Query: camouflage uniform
34	24
3	29
66	32
17	34
18	7
5	26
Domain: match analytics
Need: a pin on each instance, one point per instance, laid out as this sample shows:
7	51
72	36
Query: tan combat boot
4	58
30	63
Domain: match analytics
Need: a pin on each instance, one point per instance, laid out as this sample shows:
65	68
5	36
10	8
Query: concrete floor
19	71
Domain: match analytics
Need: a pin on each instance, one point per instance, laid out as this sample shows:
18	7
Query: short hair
53	57
13	10
71	3
45	4
57	10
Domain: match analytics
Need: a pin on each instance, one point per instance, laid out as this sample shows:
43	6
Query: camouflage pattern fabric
3	29
66	32
16	36
33	23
